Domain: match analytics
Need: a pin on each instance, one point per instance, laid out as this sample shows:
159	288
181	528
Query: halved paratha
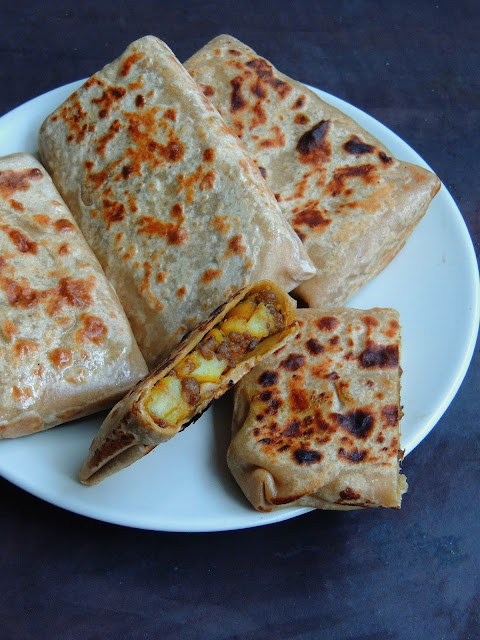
209	360
167	197
317	423
350	201
66	347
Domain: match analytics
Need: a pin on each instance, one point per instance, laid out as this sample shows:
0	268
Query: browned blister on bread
66	347
209	360
317	423
167	197
349	200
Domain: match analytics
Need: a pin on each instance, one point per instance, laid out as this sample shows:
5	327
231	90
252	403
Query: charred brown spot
181	292
313	145
12	181
314	347
20	240
237	101
277	141
234	52
64	249
94	330
20	294
25	348
390	414
113	211
60	358
63	226
207	181
312	218
293	362
209	155
354	456
174	233
334	340
264	396
384	158
129	62
370	321
264	72
208	90
139	100
268	378
357	147
299	400
358	423
292	430
236	246
301	118
307	456
75	293
170	114
327	323
349	494
18	206
211	274
337	184
127	171
109	97
104	140
299	102
377	355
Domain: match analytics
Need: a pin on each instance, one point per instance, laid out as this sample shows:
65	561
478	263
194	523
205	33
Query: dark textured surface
370	575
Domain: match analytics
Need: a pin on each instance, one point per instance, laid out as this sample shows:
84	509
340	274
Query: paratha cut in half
177	213
210	359
317	423
350	201
66	347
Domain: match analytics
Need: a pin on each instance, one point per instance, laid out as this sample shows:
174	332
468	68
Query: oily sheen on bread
66	347
209	360
317	423
176	212
350	201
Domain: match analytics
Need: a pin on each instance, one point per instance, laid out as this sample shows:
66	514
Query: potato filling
175	397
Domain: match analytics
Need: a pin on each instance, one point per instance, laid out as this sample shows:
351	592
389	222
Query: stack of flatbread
207	192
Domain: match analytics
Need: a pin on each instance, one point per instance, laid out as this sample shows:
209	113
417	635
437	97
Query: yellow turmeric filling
175	397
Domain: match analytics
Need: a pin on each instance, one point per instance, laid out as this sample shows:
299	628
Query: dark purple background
377	575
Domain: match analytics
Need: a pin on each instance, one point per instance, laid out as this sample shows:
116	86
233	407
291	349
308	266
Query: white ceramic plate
185	485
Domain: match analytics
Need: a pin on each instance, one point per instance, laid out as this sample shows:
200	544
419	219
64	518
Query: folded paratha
166	196
350	201
317	423
209	360
66	347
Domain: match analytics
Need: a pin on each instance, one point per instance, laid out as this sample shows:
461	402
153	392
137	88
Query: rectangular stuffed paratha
350	201
66	347
317	423
165	194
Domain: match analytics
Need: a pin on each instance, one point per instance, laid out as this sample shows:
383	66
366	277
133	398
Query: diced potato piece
234	324
207	370
217	334
166	402
258	325
243	310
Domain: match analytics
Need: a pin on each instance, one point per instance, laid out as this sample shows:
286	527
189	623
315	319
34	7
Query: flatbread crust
66	347
166	196
349	200
129	432
317	423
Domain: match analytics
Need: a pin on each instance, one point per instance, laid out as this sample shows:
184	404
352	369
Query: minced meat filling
175	397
